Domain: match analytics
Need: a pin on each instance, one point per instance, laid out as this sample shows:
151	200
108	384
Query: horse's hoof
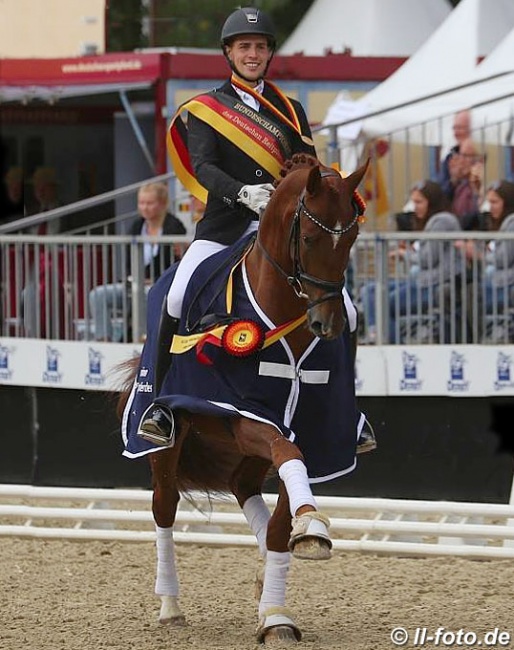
309	537
170	613
277	625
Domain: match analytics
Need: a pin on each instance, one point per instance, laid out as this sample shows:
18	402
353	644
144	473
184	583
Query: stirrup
158	426
366	440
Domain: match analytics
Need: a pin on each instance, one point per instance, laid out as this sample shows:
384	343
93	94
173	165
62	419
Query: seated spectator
466	182
14	200
155	220
499	256
45	197
461	131
430	262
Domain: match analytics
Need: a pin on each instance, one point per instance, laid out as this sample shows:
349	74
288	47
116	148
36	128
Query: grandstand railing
47	283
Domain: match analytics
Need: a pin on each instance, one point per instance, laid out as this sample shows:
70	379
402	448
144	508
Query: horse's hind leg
164	506
246	485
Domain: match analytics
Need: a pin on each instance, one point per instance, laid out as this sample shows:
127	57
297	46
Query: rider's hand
256	197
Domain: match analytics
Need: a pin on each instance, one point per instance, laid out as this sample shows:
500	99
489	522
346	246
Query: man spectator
461	131
466	184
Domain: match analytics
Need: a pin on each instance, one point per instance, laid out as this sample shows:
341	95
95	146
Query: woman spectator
154	221
499	256
431	263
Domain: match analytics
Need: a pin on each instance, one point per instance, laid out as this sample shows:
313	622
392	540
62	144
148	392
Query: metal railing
94	288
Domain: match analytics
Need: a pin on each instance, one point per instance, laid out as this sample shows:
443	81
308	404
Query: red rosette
242	338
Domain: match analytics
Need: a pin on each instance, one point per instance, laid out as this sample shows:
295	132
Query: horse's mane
297	161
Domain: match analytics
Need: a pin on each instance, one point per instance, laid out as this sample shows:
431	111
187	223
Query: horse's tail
206	462
127	371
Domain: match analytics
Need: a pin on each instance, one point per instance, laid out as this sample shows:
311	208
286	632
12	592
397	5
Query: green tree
197	23
124	28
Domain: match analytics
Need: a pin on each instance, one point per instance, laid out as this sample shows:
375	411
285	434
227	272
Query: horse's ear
356	177
313	184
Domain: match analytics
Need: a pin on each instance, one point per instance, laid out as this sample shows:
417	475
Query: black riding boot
366	441
157	423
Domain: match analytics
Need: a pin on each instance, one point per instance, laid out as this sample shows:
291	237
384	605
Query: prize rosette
242	338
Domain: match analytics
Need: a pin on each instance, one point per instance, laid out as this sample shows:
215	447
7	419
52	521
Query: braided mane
298	161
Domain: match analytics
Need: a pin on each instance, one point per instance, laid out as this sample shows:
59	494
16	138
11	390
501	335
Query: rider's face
249	55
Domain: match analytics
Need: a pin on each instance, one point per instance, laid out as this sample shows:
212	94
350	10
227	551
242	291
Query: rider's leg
157	423
366	441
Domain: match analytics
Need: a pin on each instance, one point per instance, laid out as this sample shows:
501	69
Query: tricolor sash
261	138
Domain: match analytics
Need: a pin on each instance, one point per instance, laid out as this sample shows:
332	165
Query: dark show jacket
222	168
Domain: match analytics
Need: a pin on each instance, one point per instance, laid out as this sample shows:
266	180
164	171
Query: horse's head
320	213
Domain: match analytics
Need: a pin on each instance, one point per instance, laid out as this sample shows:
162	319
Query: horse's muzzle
326	327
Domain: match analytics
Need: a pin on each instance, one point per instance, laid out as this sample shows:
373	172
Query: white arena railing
369	525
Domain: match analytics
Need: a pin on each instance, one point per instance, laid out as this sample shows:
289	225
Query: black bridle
332	290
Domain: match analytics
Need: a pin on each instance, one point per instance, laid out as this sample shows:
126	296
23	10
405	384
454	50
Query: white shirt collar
248	99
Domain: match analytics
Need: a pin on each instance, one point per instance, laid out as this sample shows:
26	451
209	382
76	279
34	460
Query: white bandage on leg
166	582
351	311
257	515
294	474
275	574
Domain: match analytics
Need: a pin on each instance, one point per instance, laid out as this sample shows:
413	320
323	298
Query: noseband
332	290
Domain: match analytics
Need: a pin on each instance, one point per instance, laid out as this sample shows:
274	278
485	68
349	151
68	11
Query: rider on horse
236	139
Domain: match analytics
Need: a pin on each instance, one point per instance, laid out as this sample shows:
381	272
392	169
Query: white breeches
199	251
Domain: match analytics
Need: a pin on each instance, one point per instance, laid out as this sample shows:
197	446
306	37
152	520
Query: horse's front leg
276	622
309	537
164	506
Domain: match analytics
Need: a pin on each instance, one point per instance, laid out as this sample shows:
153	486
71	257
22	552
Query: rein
333	290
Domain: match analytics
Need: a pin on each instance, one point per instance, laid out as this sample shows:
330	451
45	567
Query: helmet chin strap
241	75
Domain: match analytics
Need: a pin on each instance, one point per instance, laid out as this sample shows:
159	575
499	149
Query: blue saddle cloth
311	401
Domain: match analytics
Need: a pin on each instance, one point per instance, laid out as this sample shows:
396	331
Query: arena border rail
461	529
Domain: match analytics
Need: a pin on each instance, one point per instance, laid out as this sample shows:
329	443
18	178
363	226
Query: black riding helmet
248	20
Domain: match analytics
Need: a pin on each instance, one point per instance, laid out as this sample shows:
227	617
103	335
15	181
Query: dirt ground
99	595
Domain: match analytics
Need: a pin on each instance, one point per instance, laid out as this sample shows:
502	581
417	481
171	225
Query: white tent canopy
366	27
448	58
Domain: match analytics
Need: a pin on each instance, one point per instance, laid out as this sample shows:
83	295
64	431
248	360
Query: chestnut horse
294	271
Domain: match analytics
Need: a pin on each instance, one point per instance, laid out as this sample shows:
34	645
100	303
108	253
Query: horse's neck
277	299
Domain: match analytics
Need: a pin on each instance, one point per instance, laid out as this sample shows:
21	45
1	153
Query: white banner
420	370
63	364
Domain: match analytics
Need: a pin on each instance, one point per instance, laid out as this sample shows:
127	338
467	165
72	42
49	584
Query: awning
53	94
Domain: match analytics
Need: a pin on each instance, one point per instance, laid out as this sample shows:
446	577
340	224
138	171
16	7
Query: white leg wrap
257	515
294	474
166	583
275	574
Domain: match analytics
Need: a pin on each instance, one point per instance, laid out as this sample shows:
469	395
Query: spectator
44	186
466	181
429	262
499	256
35	294
14	208
461	131
154	220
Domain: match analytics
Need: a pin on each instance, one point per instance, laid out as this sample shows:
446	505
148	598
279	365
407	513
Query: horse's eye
307	240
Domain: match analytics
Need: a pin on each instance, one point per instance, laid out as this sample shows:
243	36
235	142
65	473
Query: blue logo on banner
94	377
503	375
410	379
457	380
52	374
5	373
